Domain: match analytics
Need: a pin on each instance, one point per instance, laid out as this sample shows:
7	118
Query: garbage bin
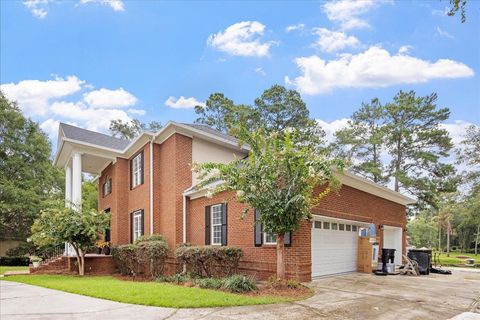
423	258
388	256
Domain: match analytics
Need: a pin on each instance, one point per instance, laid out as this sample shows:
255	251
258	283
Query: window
107	187
348	227
217	224
354	228
317	224
137	170
269	238
334	226
137	226
341	227
326	225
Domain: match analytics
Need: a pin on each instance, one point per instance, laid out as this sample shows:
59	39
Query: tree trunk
439	238
281	257
448	239
476	239
80	260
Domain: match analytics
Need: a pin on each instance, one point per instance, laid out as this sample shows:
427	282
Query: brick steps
58	265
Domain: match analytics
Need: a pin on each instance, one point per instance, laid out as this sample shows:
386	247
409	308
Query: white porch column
77	181
68	185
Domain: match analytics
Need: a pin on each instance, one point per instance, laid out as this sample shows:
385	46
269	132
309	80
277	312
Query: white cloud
443	33
37	7
91	118
332	41
50	127
34	96
404	49
182	102
294	27
374	68
347	12
457	130
241	39
116	5
139	112
105	98
260	71
331	127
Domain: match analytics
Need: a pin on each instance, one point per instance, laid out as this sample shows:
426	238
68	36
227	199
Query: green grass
14	268
453	260
144	293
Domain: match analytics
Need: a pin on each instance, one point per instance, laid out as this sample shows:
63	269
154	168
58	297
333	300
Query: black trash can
423	258
388	256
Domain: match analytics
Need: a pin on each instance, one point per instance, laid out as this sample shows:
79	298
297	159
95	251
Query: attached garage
334	245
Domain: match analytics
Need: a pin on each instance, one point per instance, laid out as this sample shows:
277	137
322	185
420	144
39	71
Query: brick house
147	186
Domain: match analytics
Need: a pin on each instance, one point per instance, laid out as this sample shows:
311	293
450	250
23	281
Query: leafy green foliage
277	109
422	232
458	5
58	224
363	140
125	258
129	130
209	261
152	256
27	176
239	283
89	195
209	283
152	237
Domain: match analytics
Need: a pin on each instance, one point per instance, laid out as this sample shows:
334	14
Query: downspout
151	186
184	219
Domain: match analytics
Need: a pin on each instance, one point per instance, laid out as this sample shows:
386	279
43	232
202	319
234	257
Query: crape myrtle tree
59	224
278	178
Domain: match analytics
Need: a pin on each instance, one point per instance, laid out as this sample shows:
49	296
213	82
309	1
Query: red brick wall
348	203
123	200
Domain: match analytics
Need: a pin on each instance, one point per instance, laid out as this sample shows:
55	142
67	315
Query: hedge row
209	261
146	255
14	261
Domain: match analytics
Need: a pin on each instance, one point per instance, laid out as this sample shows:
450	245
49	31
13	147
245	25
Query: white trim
265	238
137	179
212	225
184	218
151	187
136	214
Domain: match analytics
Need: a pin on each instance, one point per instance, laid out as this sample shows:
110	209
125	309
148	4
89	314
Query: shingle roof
100	139
207	129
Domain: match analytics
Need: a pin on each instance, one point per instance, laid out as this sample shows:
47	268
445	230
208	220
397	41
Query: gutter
151	186
184	218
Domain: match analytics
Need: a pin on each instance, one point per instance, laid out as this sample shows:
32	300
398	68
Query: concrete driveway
352	296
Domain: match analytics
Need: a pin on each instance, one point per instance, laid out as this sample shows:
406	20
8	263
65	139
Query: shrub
152	237
125	257
209	283
152	255
14	261
175	278
209	261
293	284
239	283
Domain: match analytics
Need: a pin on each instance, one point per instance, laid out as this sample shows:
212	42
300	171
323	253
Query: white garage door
334	246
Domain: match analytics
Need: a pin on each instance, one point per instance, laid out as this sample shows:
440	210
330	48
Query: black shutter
224	224
258	234
141	166
287	239
131	173
207	225
143	223
131	227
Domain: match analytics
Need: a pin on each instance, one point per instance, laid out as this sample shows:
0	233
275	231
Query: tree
468	154
89	195
27	176
363	140
276	110
415	141
458	5
278	178
58	224
422	231
129	130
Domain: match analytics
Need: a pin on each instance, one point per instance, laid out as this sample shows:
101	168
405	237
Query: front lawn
11	268
145	293
454	260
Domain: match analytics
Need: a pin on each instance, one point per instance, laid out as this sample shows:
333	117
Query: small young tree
278	178
59	224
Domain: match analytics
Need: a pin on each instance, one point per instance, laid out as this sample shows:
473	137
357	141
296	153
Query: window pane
270	237
334	226
348	227
354	228
318	224
326	225
341	227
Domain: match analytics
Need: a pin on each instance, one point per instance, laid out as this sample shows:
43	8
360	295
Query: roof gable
92	137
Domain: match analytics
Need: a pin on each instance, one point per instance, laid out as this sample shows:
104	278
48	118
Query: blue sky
88	61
